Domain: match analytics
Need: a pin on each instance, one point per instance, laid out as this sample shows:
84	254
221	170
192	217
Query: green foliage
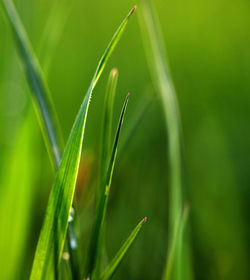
52	236
51	241
208	54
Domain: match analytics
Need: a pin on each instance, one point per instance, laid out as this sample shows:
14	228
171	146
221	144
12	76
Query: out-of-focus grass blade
114	264
107	121
176	243
45	109
158	65
95	244
51	240
59	12
16	195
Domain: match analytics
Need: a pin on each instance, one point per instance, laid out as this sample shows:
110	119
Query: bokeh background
208	45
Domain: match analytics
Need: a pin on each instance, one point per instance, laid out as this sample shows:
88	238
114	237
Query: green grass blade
56	21
95	244
161	76
107	122
114	264
106	134
111	46
176	243
52	236
44	106
133	127
17	190
51	240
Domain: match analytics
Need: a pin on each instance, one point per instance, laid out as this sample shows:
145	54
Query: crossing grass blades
58	225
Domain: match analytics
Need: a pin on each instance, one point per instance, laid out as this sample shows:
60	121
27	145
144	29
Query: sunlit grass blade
95	244
17	189
41	96
111	46
161	76
107	122
52	236
114	264
51	240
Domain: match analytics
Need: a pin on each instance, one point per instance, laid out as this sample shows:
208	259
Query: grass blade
107	122
106	134
95	244
161	76
16	195
56	21
114	264
44	105
51	240
133	127
176	243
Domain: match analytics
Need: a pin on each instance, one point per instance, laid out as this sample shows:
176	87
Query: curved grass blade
114	264
51	240
41	96
95	244
107	122
161	77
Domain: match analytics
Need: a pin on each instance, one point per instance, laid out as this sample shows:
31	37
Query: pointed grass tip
128	95
144	219
132	11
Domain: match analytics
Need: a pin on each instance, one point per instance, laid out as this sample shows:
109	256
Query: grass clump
59	214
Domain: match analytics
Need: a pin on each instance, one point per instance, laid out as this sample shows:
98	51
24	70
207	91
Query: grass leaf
51	240
114	264
161	76
107	121
95	245
53	30
106	135
41	96
133	127
176	243
17	192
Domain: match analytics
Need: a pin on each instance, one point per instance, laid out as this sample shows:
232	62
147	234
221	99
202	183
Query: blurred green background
208	45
